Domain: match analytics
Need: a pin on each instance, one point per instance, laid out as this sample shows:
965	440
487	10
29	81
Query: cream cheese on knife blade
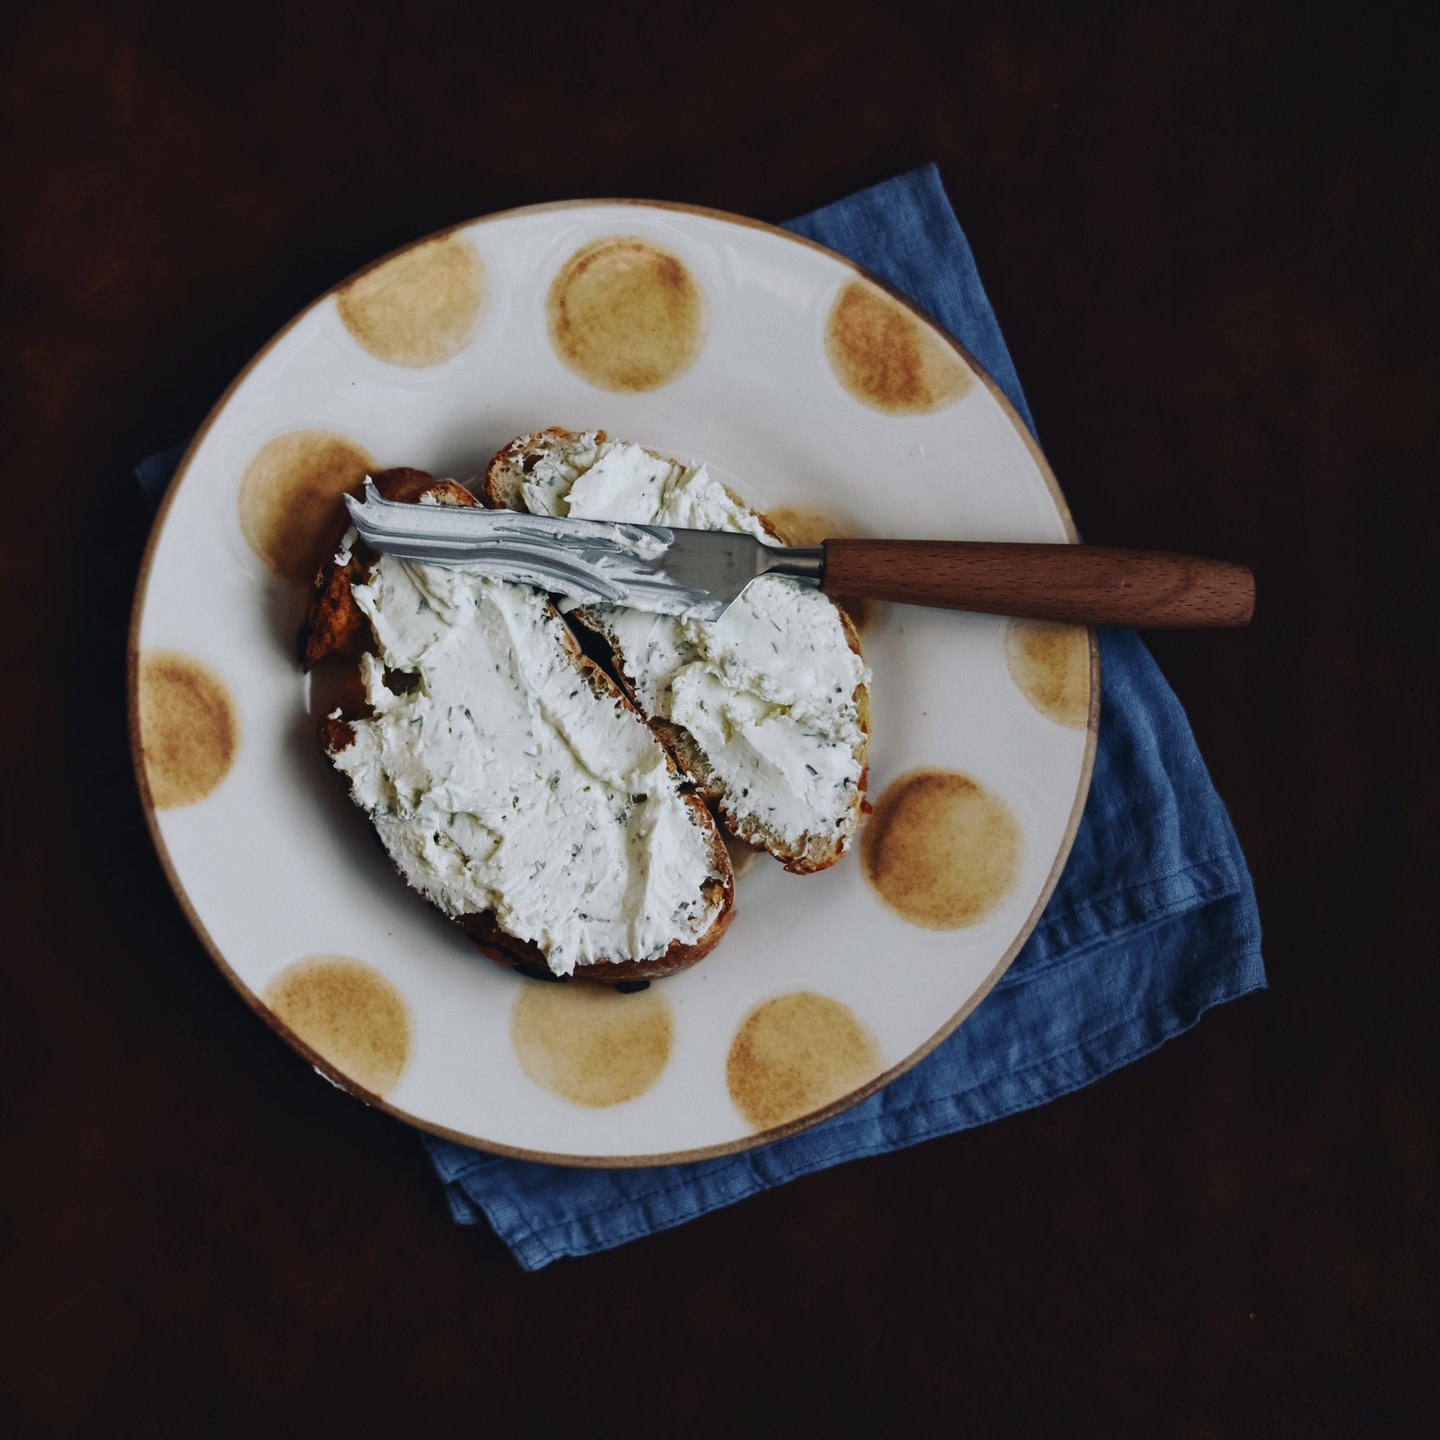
595	563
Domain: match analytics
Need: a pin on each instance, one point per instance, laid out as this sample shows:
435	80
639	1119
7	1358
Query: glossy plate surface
821	399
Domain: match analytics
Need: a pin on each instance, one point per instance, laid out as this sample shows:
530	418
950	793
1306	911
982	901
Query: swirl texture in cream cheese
499	779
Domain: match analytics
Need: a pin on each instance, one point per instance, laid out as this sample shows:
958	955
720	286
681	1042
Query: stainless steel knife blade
647	567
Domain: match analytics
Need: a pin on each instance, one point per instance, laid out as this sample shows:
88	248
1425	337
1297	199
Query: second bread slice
768	707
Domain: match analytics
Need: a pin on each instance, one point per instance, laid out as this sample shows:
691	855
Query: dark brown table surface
1209	235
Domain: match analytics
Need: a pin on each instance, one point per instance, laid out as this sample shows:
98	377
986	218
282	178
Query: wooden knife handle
1083	584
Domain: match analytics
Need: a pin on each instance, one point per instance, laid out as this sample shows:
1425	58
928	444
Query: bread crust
501	489
335	627
500	486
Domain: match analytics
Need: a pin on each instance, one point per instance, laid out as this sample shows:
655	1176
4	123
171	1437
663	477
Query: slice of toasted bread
777	738
570	754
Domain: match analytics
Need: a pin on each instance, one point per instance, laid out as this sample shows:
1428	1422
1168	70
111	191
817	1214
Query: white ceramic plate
806	388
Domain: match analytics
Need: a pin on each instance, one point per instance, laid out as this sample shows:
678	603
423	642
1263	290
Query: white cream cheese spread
769	690
498	779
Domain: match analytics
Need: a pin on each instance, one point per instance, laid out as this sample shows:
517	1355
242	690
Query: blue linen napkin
1153	920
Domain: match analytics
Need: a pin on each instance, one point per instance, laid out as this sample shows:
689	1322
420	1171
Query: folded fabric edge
1124	913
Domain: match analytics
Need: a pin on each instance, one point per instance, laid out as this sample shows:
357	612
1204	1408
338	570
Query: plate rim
327	1069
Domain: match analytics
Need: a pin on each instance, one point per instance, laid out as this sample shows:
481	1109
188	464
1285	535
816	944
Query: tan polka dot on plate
189	731
290	497
941	849
626	314
794	1054
590	1044
887	358
348	1013
798	525
421	307
1051	665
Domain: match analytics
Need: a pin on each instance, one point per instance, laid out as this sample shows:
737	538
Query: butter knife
698	573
